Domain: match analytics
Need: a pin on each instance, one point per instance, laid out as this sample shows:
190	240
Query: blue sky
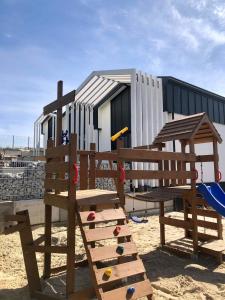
45	41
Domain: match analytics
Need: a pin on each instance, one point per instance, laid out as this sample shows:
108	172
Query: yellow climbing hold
108	272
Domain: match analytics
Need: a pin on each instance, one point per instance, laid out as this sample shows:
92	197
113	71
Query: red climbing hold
117	230
91	216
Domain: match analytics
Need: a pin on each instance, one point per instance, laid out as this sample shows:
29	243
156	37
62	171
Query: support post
216	170
161	205
193	203
71	223
29	255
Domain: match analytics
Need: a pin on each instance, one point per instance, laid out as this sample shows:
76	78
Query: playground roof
197	127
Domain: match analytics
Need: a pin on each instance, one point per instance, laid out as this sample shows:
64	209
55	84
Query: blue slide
214	196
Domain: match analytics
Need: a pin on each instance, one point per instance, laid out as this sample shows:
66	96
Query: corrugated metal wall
186	99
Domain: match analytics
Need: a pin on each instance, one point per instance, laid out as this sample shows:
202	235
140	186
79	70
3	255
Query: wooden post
29	255
92	176
59	114
71	223
83	171
48	229
161	205
120	185
193	202
216	170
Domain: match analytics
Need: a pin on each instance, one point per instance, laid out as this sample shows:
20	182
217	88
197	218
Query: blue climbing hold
131	290
120	250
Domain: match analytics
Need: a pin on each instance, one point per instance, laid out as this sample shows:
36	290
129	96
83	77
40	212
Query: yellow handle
118	134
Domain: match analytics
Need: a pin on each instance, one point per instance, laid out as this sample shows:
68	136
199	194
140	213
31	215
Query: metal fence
16	142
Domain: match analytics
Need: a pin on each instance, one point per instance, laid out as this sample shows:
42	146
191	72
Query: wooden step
96	197
57	200
104	233
120	271
108	252
142	289
105	215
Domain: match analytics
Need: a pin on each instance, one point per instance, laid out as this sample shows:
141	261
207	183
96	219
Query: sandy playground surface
172	277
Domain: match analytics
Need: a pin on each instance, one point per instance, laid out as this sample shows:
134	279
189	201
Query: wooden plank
39	240
217	254
30	261
105	233
106	173
217	245
56	200
203	236
57	152
106	156
204	158
14	228
173	168
57	167
119	272
145	174
142	289
99	197
207	224
103	216
71	217
83	172
204	212
166	169
61	101
132	154
107	252
56	184
92	169
176	222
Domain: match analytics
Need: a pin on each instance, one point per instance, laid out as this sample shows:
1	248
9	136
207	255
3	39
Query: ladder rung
142	289
106	215
120	271
105	233
108	252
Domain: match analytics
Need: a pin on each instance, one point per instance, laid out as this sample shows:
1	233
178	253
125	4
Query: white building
107	101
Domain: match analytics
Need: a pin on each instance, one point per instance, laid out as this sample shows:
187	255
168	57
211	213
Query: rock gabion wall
22	183
27	182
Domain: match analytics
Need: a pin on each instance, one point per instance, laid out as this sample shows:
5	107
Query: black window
50	128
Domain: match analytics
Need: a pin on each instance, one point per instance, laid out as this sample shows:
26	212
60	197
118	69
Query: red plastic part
75	178
218	176
122	174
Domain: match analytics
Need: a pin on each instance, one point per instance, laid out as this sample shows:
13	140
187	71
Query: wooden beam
61	101
132	154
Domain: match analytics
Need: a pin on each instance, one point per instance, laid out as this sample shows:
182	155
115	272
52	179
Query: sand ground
172	277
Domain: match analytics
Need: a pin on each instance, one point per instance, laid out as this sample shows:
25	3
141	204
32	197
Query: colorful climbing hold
108	272
91	216
131	290
120	249
117	230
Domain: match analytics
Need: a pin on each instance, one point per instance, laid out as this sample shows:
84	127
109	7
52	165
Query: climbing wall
117	271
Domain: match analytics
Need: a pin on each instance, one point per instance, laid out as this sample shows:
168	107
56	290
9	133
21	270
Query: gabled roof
99	83
197	127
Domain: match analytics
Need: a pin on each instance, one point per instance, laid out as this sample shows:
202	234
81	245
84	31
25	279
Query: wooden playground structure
117	272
